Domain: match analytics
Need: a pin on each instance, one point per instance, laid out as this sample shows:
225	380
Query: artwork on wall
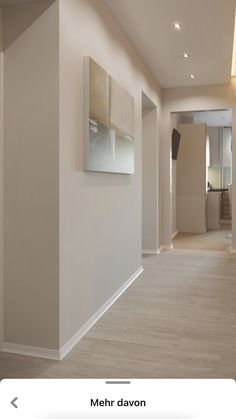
109	120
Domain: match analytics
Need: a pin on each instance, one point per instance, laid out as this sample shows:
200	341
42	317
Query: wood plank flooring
212	240
177	320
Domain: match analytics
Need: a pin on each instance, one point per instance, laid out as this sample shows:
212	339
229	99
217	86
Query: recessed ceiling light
177	26
185	55
192	76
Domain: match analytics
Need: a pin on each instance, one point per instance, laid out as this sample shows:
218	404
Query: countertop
218	190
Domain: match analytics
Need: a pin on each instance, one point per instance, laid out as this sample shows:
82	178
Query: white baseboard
174	234
167	247
151	252
13	348
84	329
58	355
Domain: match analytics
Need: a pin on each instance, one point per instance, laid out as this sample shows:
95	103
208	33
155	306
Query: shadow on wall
19	17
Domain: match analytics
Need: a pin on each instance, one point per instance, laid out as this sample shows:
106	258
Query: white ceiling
221	118
207	34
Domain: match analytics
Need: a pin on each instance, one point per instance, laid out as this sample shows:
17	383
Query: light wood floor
177	320
212	240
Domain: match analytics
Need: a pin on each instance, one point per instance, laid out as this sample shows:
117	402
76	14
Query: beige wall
175	119
215	140
150	155
193	99
191	184
174	227
1	29
100	214
31	185
1	182
53	208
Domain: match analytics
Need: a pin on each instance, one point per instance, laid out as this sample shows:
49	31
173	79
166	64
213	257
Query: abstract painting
109	119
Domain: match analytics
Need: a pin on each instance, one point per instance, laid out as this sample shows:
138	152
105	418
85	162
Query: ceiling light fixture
192	76
185	55
177	26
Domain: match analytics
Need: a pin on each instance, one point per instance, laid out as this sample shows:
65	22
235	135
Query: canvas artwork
109	123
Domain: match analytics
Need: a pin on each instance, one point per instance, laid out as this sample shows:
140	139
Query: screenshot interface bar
159	399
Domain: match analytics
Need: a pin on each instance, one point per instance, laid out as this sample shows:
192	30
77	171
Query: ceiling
221	118
206	34
146	102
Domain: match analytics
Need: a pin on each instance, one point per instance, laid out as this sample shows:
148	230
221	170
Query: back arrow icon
13	402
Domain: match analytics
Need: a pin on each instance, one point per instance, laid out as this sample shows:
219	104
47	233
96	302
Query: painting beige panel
110	142
98	93
121	109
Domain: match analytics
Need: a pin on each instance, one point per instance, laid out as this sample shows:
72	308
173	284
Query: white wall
215	140
1	182
191	189
31	185
150	236
100	214
193	99
226	148
174	228
175	120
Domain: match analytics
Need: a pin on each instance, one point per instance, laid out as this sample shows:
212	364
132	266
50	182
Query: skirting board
84	329
151	252
58	355
167	247
13	348
174	234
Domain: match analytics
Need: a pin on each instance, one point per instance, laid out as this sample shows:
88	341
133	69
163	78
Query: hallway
211	240
177	320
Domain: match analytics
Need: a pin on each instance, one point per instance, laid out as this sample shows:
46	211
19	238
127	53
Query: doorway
150	179
202	175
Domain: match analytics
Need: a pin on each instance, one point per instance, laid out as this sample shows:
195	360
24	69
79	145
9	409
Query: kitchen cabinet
191	179
220	146
226	147
213	210
215	146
